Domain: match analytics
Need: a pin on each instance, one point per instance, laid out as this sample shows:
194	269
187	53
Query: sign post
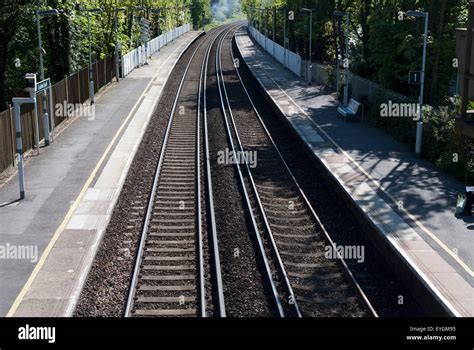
145	35
42	86
419	123
51	111
414	77
17	102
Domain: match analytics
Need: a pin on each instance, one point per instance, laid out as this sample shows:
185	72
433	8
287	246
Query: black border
349	331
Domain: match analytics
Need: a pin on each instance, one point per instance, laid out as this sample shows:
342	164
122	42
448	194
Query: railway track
177	269
292	240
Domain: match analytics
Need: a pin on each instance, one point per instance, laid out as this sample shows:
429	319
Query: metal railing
288	58
138	56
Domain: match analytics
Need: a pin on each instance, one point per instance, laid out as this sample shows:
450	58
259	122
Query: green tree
65	37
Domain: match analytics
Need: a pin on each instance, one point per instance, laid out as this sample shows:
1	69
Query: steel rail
352	280
268	271
274	248
208	179
149	213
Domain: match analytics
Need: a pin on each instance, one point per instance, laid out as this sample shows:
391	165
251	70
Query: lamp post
419	124
346	64
285	14
255	16
137	19
163	19
117	45
252	16
274	29
264	10
30	79
91	77
39	14
171	20
260	18
158	13
310	40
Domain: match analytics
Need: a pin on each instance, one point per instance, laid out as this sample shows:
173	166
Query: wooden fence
72	89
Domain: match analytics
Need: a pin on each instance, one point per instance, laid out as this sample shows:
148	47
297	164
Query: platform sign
144	23
43	85
145	29
414	77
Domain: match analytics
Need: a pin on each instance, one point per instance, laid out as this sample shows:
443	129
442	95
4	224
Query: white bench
351	109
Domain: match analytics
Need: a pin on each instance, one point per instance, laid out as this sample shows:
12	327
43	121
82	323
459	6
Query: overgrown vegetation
65	38
384	48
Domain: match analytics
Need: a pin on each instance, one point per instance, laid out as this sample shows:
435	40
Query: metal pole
137	51
419	124
43	95
117	68
274	28
337	64
467	59
37	129
38	28
51	111
159	17
131	30
67	92
252	17
346	74
257	11
310	43
91	78
266	29
260	20
284	35
19	148
175	24
12	131
45	119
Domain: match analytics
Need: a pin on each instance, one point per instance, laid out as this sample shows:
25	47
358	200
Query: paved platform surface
409	200
71	189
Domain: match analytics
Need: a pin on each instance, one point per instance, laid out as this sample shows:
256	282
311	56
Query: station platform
71	190
408	202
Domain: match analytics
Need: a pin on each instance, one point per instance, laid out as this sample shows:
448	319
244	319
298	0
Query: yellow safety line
73	208
415	220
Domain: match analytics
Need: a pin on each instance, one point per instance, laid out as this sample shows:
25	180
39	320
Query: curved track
305	282
173	275
177	268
